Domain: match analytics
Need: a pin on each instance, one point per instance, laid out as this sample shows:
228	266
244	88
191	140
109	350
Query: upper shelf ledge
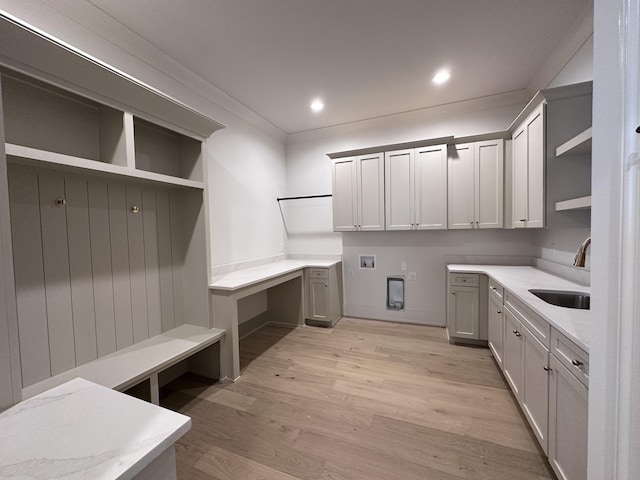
59	161
31	51
579	144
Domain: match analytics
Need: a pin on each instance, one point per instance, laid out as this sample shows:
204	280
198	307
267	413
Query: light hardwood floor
365	400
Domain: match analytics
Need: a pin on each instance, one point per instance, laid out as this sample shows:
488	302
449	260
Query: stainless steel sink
564	298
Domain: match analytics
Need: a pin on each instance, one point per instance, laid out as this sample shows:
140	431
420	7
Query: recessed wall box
395	293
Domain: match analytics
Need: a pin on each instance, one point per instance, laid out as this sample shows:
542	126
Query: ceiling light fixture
441	77
317	105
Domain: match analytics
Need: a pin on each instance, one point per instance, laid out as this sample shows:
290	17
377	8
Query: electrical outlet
413	276
403	265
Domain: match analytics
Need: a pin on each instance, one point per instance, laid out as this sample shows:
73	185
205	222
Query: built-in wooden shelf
44	158
574	204
579	144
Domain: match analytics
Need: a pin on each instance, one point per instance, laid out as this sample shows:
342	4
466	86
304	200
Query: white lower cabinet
463	312
568	409
496	327
512	356
526	368
323	298
534	395
549	376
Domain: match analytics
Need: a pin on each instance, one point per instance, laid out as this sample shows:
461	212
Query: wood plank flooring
365	400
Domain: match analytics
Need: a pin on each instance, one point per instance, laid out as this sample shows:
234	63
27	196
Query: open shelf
577	145
44	158
47	118
163	151
574	204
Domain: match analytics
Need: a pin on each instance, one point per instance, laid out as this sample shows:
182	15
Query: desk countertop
251	276
573	323
82	430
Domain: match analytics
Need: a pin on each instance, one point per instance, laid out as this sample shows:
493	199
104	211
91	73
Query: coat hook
135	209
61	202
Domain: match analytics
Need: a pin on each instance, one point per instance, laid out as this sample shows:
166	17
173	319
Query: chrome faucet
582	253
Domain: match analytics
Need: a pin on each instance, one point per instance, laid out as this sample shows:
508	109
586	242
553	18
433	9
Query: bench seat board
129	366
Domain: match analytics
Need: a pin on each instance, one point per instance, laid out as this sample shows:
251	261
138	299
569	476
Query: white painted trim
614	389
519	97
85	24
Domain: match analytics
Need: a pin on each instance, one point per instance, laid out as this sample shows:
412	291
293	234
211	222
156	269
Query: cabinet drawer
319	272
571	356
463	279
538	326
496	289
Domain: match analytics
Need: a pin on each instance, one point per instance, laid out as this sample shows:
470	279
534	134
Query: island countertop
82	430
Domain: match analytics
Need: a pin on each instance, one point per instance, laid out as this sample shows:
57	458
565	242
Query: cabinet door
399	190
318	299
534	395
430	180
370	184
519	187
461	186
463	310
568	419
489	191
344	194
512	354
535	169
496	328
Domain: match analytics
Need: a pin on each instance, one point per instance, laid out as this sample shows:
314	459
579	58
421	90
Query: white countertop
81	430
250	276
573	323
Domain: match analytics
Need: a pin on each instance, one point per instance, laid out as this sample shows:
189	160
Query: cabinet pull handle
523	219
477	224
517	333
577	363
546	368
453	293
499	311
493	288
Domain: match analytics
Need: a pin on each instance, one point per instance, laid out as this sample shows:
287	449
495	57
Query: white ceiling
365	58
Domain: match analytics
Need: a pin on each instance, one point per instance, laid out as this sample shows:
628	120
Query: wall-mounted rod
303	197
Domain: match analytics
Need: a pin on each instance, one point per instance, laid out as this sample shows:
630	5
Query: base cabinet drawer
568	421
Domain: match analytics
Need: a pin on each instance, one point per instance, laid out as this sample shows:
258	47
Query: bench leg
225	315
155	389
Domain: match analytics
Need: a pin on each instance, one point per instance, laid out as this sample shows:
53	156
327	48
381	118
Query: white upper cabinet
399	167
416	188
528	171
430	180
344	194
358	193
476	185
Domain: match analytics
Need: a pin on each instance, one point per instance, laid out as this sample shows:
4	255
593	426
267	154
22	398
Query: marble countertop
81	430
250	276
573	323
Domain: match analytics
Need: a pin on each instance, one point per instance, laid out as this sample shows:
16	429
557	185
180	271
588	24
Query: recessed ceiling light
317	105
441	77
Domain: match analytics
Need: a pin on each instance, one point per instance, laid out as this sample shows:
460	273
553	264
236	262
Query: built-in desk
284	284
81	430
